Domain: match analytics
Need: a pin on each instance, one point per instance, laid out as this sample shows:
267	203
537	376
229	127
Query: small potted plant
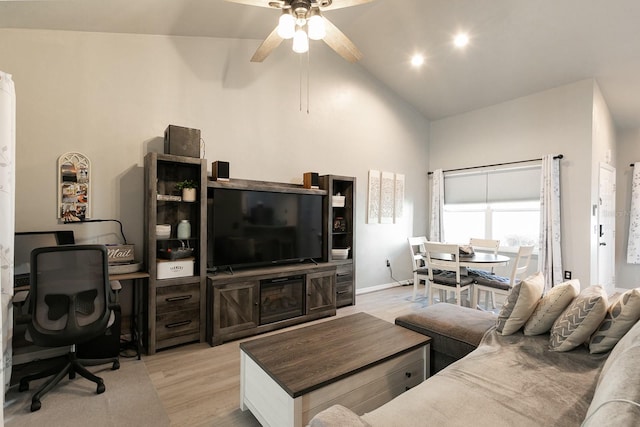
188	187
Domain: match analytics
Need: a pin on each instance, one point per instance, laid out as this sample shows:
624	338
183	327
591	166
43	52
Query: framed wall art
373	196
385	197
74	187
387	189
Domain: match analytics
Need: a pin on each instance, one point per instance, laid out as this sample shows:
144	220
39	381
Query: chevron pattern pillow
578	321
519	305
551	306
621	316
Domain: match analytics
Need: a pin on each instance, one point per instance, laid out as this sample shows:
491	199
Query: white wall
627	275
556	121
110	97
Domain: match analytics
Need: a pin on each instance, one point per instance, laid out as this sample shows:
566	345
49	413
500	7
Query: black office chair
70	302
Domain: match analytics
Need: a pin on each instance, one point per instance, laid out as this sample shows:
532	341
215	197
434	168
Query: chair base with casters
71	366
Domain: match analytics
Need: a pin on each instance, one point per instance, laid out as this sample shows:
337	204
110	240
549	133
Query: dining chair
443	263
485	245
418	264
500	285
489	246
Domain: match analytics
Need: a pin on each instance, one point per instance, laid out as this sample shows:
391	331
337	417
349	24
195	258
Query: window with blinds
501	204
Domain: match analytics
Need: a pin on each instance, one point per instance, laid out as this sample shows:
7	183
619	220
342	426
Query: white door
606	227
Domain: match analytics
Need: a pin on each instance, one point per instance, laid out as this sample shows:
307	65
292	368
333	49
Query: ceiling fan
302	20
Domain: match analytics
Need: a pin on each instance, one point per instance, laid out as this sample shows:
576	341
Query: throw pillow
551	306
519	305
621	316
578	321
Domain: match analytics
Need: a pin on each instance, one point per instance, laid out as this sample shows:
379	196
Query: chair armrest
19	298
116	286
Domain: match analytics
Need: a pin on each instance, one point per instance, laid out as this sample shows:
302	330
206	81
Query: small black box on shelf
311	180
181	141
220	171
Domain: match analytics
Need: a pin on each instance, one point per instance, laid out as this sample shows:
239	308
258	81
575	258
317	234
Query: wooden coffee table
358	361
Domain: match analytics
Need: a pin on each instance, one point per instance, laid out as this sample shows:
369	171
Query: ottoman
455	331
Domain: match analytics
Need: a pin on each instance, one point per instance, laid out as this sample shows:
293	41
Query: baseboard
368	289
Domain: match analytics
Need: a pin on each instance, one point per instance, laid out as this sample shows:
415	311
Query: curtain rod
559	156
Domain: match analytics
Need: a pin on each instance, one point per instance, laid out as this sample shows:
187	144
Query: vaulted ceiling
518	47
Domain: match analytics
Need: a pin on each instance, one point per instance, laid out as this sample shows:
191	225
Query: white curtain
549	256
7	222
633	246
437	206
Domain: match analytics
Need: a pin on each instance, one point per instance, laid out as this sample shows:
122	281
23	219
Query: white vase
188	194
184	229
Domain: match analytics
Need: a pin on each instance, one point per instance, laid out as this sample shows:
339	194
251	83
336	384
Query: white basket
337	201
340	253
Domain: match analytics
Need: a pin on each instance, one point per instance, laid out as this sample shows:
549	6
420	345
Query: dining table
476	259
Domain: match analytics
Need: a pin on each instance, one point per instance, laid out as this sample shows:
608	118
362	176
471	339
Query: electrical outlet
388	263
567	275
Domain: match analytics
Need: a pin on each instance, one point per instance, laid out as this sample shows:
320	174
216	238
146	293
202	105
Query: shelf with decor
339	233
175	249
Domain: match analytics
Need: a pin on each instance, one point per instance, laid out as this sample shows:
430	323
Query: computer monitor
25	242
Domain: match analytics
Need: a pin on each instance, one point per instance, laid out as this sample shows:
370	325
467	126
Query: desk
138	279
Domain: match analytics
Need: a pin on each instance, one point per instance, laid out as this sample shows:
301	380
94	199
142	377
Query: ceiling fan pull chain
308	79
300	82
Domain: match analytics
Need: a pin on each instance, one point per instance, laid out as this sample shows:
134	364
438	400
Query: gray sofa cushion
617	397
509	380
337	416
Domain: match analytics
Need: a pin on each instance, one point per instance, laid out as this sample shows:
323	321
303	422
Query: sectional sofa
489	371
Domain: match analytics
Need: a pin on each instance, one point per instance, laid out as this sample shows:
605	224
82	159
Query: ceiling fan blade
340	43
338	4
262	3
267	46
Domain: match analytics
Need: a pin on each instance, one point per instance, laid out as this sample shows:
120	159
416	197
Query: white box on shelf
168	269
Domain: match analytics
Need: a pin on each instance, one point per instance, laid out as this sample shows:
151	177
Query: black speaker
311	180
220	171
181	141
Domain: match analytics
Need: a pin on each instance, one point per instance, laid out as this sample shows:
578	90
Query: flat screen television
250	228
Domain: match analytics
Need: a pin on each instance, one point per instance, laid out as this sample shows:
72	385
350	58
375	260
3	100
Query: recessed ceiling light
461	40
417	60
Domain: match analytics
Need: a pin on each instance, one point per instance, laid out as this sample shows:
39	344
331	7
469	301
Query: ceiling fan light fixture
300	41
316	28
286	25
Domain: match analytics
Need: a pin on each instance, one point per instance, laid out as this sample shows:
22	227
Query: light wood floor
199	385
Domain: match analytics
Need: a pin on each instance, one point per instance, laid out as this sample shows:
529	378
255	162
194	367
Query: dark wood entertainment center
225	305
235	304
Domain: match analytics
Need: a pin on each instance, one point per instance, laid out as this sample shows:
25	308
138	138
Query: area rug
130	399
